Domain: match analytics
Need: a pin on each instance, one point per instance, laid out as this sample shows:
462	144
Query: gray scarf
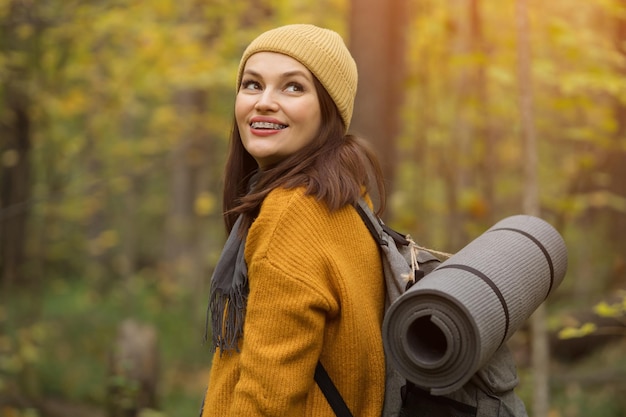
229	293
229	289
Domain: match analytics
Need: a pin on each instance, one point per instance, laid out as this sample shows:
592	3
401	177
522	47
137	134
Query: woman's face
277	109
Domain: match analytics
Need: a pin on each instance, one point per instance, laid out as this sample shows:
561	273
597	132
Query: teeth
267	125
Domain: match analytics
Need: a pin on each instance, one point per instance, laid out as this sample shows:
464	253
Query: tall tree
187	158
377	42
530	202
18	49
616	163
484	131
456	165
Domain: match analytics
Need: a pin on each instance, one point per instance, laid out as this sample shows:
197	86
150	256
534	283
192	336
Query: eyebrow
283	75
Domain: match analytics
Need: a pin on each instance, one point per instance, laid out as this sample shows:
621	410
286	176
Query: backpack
489	393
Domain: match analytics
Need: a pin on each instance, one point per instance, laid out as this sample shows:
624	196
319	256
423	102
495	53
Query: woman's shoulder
292	211
291	215
288	231
301	236
292	201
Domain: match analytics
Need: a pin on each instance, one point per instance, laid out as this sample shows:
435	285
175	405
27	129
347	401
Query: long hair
334	168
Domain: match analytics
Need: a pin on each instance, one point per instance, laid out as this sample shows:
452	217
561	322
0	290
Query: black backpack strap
362	208
376	226
331	392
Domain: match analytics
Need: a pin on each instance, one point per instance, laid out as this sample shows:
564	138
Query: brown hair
334	168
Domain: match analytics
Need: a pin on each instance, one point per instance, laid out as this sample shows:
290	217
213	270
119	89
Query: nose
266	101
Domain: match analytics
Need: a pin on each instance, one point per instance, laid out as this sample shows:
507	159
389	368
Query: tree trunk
459	161
15	185
98	256
616	164
377	42
468	165
15	148
540	347
187	160
484	132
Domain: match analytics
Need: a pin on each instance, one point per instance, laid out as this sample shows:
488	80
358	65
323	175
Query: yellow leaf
108	239
30	353
4	8
573	332
25	31
205	204
604	309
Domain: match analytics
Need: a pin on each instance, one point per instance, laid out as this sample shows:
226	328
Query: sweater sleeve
288	305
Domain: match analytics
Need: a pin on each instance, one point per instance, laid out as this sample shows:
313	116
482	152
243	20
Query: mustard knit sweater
316	292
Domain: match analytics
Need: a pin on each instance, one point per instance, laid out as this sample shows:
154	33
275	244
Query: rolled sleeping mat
448	325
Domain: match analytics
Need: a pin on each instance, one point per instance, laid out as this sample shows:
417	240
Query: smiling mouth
267	125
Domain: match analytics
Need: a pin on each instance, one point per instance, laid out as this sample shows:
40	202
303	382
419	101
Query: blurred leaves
582	331
205	204
604	309
120	97
129	107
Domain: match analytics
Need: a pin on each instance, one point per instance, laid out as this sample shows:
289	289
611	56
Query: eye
294	87
250	85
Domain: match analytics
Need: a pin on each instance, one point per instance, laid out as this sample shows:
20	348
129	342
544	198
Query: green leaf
574	332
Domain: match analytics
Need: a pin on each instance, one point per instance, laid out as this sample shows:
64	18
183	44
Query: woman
300	279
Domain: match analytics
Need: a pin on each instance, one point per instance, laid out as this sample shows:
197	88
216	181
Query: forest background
114	121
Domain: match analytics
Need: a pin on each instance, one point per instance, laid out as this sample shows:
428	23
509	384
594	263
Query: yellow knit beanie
322	51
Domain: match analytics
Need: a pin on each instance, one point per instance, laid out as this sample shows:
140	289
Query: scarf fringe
227	313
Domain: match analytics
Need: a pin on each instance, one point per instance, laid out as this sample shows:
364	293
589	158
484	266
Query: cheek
315	121
308	115
241	109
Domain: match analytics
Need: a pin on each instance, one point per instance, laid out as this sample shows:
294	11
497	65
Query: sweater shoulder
292	208
294	226
302	216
